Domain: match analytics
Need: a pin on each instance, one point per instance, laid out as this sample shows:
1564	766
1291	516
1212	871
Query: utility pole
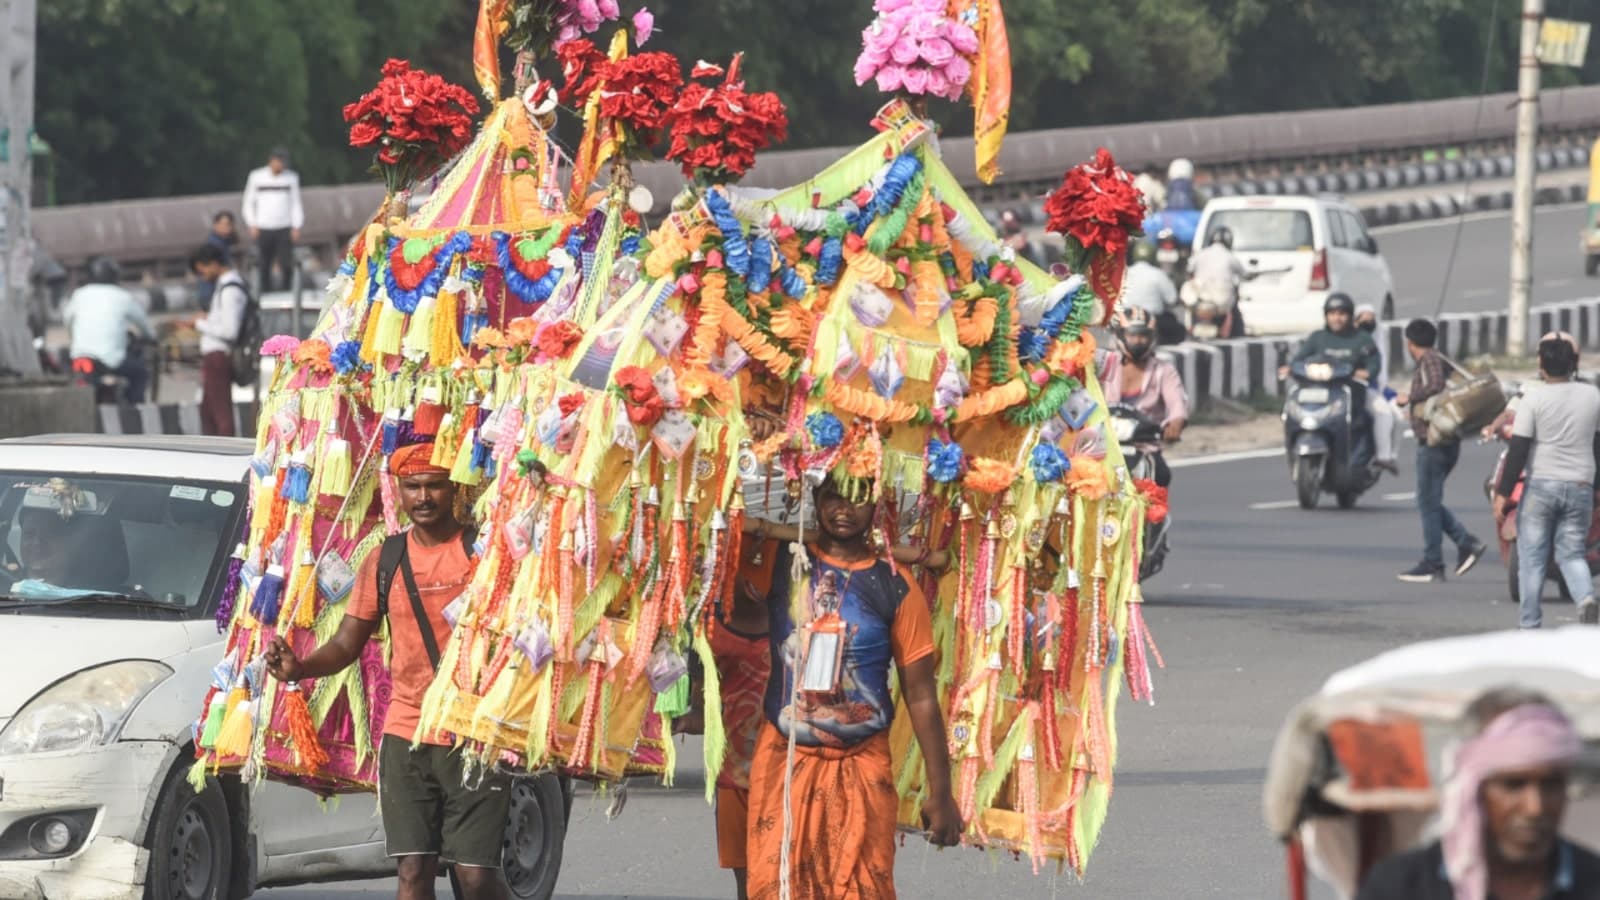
1522	193
17	19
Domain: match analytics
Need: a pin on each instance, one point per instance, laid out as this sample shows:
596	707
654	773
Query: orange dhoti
844	806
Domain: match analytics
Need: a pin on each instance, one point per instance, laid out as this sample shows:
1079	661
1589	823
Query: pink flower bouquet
915	47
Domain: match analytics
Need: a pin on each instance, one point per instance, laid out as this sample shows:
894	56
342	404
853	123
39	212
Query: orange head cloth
414	459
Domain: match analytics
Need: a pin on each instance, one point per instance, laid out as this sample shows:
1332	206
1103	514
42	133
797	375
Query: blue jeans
1553	513
1433	467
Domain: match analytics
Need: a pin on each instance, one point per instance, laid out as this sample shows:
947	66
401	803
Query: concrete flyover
1345	150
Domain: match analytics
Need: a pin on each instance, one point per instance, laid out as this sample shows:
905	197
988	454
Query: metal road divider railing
1349	151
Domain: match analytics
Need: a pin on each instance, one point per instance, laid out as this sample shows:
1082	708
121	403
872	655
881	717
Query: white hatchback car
1306	248
112	554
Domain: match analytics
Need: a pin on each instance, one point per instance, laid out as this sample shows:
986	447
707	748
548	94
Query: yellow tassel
197	776
446	344
336	468
391	325
461	471
369	336
418	343
233	741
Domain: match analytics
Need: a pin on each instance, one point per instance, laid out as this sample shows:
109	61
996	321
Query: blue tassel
269	596
980	270
735	250
901	171
297	486
480	456
760	265
630	245
470	323
391	435
831	262
793	284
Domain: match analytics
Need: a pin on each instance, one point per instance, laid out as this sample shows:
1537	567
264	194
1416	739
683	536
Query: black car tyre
188	842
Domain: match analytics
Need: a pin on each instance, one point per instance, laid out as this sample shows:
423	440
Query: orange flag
486	45
990	87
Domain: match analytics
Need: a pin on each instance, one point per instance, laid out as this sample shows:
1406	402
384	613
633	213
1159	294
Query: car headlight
86	709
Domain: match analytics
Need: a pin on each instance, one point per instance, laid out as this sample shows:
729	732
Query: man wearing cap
274	216
1500	821
429	814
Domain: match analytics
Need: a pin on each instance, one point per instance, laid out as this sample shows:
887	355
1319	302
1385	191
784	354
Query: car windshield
111	544
1257	230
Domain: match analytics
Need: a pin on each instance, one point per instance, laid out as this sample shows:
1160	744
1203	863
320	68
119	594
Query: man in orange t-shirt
428	812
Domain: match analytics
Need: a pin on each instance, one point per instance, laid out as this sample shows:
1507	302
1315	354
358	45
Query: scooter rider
99	316
1215	273
1149	383
1341	341
1149	288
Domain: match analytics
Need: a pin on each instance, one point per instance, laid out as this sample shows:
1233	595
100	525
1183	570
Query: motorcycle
111	387
1505	525
1140	439
1326	453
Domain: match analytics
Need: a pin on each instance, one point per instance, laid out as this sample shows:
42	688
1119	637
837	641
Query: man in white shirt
219	332
1215	273
99	317
273	213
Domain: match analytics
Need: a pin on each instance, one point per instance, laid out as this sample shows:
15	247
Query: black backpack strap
430	642
392	557
389	556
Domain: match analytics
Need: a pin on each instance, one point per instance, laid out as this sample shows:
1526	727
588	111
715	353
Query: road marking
1275	504
1217	458
1471	217
1556	282
1408	496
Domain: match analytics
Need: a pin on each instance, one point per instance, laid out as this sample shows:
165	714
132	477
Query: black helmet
104	270
1223	236
1339	302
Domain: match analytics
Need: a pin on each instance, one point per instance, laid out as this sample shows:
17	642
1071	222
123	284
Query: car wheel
535	832
188	842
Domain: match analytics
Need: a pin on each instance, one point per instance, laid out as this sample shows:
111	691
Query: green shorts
428	810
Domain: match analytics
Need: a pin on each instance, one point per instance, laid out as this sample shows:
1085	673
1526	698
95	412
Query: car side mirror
1371	246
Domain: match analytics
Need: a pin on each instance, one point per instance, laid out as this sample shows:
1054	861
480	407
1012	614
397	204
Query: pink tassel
1028	786
391	518
582	754
591	524
1141	686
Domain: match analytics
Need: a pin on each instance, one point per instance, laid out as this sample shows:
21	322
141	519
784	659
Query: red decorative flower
1155	500
581	62
417	119
639	395
717	129
570	403
557	339
1097	205
639	92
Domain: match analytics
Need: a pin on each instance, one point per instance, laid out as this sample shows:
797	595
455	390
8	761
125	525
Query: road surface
1259	603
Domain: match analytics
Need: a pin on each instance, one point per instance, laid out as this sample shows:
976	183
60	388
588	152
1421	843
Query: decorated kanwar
822	473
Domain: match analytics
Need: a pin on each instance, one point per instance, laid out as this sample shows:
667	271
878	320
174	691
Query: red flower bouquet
416	119
717	128
638	93
1097	206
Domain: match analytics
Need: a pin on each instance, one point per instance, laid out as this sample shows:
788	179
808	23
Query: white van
1306	248
112	558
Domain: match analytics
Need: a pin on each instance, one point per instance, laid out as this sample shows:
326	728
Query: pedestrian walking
1556	438
1434	465
220	329
273	213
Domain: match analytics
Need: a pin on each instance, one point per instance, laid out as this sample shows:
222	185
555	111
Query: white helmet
1180	169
